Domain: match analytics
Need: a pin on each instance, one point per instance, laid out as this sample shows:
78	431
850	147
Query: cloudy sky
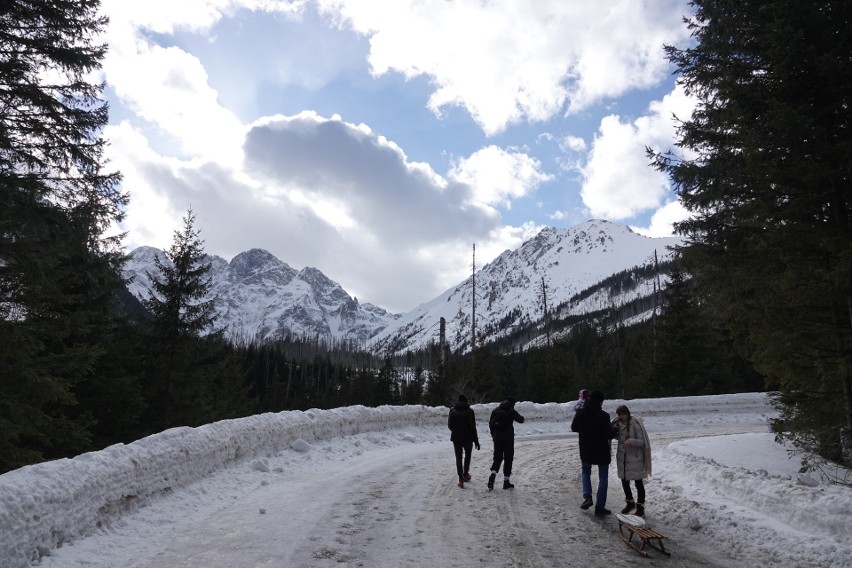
378	140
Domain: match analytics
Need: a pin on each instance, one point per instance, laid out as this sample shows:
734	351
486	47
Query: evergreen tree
184	366
770	237
688	358
413	392
58	273
180	301
386	380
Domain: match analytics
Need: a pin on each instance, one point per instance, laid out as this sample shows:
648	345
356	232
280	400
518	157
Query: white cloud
517	60
662	220
572	143
497	176
168	16
618	182
152	216
168	88
508	238
622	48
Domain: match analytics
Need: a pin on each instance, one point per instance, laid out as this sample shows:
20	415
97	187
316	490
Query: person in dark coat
502	429
462	424
596	431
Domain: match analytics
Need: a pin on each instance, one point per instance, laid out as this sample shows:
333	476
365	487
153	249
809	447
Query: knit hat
510	399
462	398
597	396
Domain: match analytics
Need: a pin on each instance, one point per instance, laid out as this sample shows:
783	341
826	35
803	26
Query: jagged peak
254	256
312	272
316	277
254	261
146	252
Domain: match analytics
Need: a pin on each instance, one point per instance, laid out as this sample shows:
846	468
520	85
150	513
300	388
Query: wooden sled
630	526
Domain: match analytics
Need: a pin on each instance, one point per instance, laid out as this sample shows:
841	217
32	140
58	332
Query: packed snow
377	487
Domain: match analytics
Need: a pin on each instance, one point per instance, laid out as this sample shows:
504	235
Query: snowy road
377	488
400	507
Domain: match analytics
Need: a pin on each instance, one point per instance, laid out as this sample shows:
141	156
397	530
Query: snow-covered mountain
511	291
261	297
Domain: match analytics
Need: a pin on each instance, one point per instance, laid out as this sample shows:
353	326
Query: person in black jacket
502	430
462	424
596	432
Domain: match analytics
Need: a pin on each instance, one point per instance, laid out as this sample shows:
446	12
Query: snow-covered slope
510	291
261	297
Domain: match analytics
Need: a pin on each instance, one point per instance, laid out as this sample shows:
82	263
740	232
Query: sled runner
630	526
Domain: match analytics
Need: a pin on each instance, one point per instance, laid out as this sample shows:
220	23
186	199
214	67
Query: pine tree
58	273
770	240
179	370
691	358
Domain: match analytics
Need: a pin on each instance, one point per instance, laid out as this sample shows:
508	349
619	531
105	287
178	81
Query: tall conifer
183	310
769	189
57	270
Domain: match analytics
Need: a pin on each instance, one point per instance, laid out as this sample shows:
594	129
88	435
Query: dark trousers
467	447
640	490
504	451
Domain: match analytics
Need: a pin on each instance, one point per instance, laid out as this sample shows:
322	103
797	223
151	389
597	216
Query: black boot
507	485
587	502
491	481
640	509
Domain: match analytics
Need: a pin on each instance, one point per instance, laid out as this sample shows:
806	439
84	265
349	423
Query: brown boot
629	507
640	509
461	482
467	477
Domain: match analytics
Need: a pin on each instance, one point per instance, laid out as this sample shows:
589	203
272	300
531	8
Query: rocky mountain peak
253	262
259	297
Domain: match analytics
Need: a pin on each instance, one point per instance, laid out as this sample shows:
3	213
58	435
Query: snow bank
45	505
755	507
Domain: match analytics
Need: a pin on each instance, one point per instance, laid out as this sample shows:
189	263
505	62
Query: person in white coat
633	458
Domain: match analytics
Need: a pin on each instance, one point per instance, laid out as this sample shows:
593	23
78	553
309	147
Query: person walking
462	425
595	434
502	428
632	458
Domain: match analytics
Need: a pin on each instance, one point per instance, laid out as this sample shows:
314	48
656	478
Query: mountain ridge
552	267
261	298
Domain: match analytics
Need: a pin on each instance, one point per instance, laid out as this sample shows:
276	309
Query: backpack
501	420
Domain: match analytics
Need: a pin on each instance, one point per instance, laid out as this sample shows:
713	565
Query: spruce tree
184	353
767	180
691	353
58	273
